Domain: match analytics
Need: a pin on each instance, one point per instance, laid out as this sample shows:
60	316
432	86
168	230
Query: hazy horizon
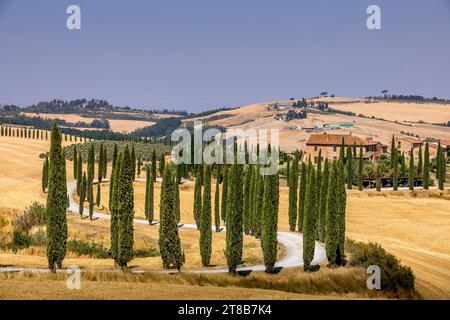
202	55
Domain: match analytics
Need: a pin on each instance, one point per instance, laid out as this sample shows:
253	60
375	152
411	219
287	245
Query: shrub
91	249
34	215
20	240
395	278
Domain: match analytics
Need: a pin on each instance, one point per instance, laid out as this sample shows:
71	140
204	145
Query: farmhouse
330	145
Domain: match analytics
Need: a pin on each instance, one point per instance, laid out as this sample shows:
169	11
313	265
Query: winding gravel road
292	242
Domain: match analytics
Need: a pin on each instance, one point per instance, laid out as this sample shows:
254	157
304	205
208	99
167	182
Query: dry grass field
116	125
399	111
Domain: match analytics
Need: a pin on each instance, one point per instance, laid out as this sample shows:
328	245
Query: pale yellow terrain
399	111
116	125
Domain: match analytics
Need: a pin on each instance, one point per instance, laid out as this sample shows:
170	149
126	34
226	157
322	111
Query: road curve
292	242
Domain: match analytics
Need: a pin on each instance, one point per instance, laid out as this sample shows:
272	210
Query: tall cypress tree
331	219
91	163
269	221
258	202
395	170
393	151
293	193
105	162
234	234
223	208
125	210
176	194
340	213
100	164
349	166
154	165
169	241
162	163
441	167
288	172
302	193
342	150
82	194
111	180
426	168
113	208
91	200
98	197
75	162
147	191
360	169
56	219
309	219
247	186
411	169
403	165
217	202
205	225
45	174
323	202
420	162
133	161
139	166
198	198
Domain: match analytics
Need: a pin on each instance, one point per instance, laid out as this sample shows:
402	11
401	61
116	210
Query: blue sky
202	54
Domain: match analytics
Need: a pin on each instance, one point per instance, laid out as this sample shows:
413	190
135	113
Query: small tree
205	225
217	202
411	170
293	193
224	192
198	198
309	219
426	168
82	194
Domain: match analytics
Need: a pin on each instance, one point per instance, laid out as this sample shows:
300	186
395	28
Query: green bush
92	249
20	240
34	215
395	278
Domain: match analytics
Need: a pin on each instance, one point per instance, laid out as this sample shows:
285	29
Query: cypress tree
323	201
133	162
100	164
147	194
269	221
45	175
340	216
420	162
288	172
113	208
98	197
331	219
56	219
441	167
75	162
302	194
223	208
125	210
91	162
198	198
205	225
360	169
393	151
111	180
411	170
162	163
234	232
293	193
177	200
403	165
91	200
154	165
395	171
309	233
246	208
349	165
217	202
139	167
342	151
169	241
82	194
378	178
258	204
105	162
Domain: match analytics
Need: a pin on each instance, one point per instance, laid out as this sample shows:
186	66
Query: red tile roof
336	139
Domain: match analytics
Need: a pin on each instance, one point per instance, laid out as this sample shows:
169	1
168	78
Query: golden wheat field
116	125
414	227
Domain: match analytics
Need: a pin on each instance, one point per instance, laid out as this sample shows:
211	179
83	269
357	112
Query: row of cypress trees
35	134
317	209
